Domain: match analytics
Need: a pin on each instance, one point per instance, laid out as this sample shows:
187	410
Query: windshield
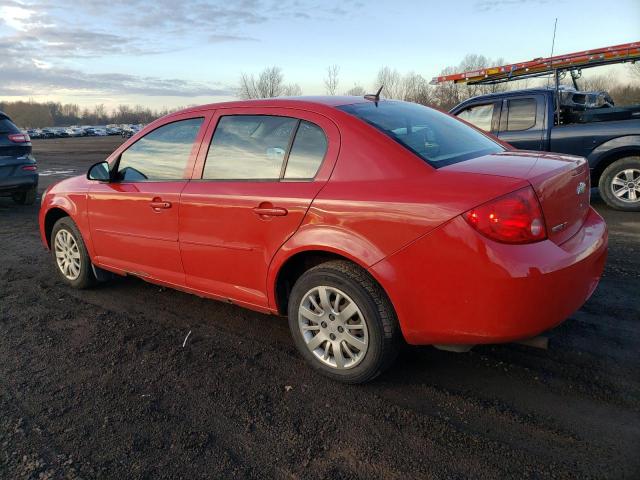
435	137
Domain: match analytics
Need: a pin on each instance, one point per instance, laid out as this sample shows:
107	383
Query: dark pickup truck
568	121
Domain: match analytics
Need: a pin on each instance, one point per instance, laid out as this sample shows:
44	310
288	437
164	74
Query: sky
168	53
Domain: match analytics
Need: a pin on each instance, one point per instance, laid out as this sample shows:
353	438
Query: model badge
581	188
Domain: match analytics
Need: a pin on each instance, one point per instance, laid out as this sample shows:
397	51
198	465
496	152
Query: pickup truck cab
585	124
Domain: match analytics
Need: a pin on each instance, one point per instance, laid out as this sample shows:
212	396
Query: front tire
342	322
619	184
70	255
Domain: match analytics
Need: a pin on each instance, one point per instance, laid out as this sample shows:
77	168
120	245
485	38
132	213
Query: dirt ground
96	384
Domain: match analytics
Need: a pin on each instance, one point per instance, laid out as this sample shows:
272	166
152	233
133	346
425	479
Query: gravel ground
96	384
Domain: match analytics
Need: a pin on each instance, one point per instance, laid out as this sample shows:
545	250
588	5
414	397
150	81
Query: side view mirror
99	171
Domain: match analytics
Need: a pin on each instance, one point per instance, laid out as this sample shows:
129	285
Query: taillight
30	168
19	138
514	218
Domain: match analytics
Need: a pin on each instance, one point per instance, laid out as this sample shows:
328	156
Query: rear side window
434	136
478	115
264	147
160	155
522	114
307	152
7	126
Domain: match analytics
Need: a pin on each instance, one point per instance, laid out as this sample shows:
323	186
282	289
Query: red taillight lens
30	168
514	218
19	138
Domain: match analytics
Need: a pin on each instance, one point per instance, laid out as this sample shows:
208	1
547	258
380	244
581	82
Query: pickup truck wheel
27	197
342	322
620	184
70	254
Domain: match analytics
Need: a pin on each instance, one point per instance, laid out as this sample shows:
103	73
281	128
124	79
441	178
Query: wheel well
608	160
293	269
50	220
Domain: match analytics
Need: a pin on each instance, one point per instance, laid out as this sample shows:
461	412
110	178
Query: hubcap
67	254
626	185
333	327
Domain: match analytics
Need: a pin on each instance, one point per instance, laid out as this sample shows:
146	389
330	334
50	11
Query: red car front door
250	192
134	219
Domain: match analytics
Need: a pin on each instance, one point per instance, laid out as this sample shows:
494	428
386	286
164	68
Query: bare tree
415	88
267	85
356	91
291	90
331	81
392	82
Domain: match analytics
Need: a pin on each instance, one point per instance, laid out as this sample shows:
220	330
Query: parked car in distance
34	133
584	123
367	222
18	168
47	133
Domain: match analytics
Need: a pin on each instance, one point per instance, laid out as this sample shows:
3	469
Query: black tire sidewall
604	185
25	197
86	278
370	365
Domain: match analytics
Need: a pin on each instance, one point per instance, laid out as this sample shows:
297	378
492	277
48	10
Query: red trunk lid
560	181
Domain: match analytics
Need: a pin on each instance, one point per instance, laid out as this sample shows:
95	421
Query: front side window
162	154
522	114
432	135
478	115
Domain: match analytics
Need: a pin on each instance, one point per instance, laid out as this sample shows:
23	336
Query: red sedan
366	222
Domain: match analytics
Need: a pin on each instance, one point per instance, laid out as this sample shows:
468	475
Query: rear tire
27	197
619	184
342	322
70	255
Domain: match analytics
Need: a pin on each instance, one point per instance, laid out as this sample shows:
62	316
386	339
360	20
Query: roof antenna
375	97
553	44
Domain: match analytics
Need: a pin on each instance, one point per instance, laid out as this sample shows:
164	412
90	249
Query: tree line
32	114
270	82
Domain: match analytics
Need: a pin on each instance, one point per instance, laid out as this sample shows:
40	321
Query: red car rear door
134	219
250	192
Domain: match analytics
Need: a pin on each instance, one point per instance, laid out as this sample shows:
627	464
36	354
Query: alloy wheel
67	254
333	327
626	185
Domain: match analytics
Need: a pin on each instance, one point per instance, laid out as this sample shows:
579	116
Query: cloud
44	44
27	77
489	5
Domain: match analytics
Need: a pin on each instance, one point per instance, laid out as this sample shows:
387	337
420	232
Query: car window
434	136
522	114
160	155
478	115
7	126
307	152
246	147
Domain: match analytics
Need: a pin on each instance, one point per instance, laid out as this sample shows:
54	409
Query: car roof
283	102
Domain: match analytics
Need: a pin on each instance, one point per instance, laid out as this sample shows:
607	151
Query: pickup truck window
522	114
478	115
431	135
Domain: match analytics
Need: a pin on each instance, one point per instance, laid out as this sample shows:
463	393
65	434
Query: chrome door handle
270	211
158	204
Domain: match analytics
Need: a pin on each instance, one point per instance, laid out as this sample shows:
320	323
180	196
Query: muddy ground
96	384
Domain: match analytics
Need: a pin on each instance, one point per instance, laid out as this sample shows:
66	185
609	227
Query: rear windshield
7	126
435	137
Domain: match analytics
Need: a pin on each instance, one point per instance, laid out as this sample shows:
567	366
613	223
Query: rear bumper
18	183
454	286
